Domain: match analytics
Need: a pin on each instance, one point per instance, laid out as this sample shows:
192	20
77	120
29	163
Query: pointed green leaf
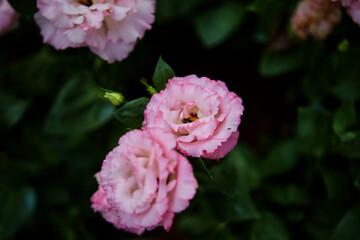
163	72
269	227
78	108
217	24
11	109
281	159
17	206
313	129
348	228
277	63
131	114
344	118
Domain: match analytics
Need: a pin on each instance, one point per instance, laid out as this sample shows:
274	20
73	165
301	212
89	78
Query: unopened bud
115	98
149	88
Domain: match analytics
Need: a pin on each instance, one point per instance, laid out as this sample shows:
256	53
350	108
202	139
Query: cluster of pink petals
110	28
143	182
8	17
353	9
201	113
315	18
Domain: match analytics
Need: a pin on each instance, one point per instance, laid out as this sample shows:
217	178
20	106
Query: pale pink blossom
143	182
110	28
315	18
353	9
8	17
201	113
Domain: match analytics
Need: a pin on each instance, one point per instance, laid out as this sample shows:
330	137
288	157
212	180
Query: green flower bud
115	98
149	88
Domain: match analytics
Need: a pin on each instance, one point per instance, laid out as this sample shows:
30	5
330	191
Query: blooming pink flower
316	18
353	9
201	113
8	17
110	28
144	181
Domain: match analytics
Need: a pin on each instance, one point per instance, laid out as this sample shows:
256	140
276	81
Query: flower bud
149	88
117	99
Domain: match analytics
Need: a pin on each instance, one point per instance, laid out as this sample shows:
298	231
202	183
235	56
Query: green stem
206	169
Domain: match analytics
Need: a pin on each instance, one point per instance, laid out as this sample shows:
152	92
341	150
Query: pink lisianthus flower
315	18
110	28
201	113
8	17
143	182
353	9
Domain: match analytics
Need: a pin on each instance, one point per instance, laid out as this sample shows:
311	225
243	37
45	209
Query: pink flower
353	9
315	18
110	28
8	17
201	113
144	181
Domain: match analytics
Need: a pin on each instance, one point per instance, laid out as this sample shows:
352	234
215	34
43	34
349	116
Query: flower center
189	113
86	2
192	118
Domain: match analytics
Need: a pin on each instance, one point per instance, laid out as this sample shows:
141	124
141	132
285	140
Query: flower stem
206	169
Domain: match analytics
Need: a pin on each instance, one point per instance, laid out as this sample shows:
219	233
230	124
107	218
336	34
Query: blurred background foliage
295	173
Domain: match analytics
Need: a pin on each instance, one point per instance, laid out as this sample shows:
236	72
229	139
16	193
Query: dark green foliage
295	173
131	114
216	25
78	102
348	228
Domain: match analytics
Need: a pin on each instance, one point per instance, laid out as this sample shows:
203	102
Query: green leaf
234	177
216	25
244	166
78	108
131	114
344	118
281	159
290	195
163	72
274	64
169	9
36	74
338	185
269	227
17	206
11	109
313	129
348	228
197	225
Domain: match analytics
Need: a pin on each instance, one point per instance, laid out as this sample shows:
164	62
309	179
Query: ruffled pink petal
224	148
168	220
99	204
75	35
53	35
109	28
143	181
119	13
114	51
186	186
200	132
94	19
